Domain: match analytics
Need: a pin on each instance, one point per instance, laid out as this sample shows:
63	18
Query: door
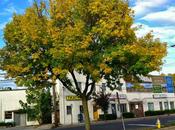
95	113
22	119
137	109
17	119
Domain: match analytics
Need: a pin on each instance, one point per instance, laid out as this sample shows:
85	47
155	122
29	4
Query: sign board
121	96
73	98
159	96
136	106
146	85
145	78
157	89
169	84
158	80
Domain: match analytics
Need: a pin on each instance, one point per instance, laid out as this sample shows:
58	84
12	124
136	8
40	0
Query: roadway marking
147	125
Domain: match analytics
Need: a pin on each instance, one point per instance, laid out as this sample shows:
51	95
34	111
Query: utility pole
121	113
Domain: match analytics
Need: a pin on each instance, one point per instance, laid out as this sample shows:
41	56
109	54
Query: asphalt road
131	124
134	124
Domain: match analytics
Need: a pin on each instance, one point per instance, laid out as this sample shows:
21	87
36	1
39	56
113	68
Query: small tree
102	101
38	105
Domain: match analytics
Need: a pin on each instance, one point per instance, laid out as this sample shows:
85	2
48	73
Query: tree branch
91	90
68	85
86	84
76	83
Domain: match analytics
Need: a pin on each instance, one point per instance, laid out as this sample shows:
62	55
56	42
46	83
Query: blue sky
154	15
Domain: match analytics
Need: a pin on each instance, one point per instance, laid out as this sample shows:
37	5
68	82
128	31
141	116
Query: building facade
10	106
153	93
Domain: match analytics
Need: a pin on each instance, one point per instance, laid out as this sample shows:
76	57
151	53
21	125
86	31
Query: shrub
7	124
128	115
108	117
154	113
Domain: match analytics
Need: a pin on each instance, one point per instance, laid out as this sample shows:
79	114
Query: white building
10	106
137	102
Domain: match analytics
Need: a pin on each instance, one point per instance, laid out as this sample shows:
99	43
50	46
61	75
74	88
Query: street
134	124
131	124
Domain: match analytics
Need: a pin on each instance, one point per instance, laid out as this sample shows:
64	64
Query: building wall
125	98
9	101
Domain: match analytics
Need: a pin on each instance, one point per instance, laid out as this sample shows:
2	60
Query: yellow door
95	113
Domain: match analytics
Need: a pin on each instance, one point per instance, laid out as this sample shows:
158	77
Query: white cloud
2	25
9	10
166	34
166	17
145	6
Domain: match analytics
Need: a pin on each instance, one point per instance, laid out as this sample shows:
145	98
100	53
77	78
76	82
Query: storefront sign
147	85
73	98
121	96
169	84
159	96
144	78
157	89
158	80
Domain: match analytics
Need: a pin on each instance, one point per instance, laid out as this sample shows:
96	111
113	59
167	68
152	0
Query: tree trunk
55	106
105	113
86	113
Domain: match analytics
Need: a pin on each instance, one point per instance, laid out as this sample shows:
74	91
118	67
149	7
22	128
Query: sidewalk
167	128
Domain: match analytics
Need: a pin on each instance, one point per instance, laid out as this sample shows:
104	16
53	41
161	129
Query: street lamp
172	45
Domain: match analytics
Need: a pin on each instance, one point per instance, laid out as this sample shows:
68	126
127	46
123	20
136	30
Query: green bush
108	117
128	115
154	113
7	124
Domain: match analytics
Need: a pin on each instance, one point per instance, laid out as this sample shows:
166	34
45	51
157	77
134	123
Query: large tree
64	39
26	54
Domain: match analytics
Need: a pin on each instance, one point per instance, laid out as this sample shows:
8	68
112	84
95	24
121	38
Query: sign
158	80
159	96
157	89
73	98
136	106
144	78
147	85
121	96
169	84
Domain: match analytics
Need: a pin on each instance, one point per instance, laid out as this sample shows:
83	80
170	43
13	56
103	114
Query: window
123	108
69	110
8	115
103	87
161	106
80	85
150	106
172	105
81	109
94	90
166	105
113	108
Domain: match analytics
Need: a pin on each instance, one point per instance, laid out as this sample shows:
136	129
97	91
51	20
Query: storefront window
123	108
166	105
172	105
69	110
81	109
161	106
103	87
113	108
8	115
150	106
